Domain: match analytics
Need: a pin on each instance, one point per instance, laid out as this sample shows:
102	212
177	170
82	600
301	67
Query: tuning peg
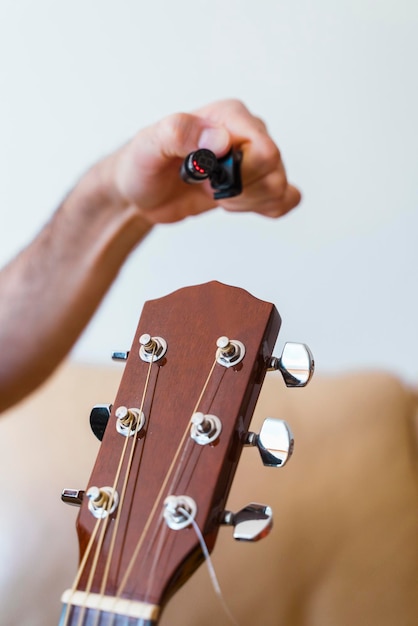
296	364
120	355
251	523
274	442
99	418
72	496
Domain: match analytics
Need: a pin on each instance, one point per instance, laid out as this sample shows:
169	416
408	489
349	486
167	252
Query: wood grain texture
190	320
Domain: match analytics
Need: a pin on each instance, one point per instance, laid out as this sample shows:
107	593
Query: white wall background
337	84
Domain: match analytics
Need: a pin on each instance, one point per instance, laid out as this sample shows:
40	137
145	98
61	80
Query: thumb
156	150
215	138
183	133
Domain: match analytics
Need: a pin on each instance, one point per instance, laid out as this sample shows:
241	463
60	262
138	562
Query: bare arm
50	291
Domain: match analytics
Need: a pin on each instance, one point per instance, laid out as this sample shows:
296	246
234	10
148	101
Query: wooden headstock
131	561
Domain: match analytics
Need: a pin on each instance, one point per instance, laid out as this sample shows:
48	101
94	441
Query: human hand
145	172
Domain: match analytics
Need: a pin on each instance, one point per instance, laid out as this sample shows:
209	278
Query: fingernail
215	139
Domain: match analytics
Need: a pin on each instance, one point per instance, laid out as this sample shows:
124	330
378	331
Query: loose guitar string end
210	566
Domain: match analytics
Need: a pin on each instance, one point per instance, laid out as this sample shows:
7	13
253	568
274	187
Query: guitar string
100	546
162	528
93	568
157	501
163	486
160	493
104	525
159	529
212	574
181	468
80	571
123	492
125	482
159	547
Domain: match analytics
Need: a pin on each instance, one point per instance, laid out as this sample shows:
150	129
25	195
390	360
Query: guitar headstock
170	450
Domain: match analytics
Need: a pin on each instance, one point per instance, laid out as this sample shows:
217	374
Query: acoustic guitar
171	442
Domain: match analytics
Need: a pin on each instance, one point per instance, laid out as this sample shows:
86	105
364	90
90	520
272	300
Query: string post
179	511
129	421
102	501
205	428
229	352
152	348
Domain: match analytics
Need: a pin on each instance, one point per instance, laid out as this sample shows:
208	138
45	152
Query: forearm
51	290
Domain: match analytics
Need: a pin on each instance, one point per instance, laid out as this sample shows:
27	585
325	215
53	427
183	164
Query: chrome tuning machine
296	364
72	496
251	523
275	442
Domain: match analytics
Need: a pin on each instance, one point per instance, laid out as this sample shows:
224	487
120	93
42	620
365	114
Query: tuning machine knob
296	364
120	355
275	442
99	418
251	523
72	496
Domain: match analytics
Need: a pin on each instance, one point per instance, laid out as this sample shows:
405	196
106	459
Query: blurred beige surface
344	547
